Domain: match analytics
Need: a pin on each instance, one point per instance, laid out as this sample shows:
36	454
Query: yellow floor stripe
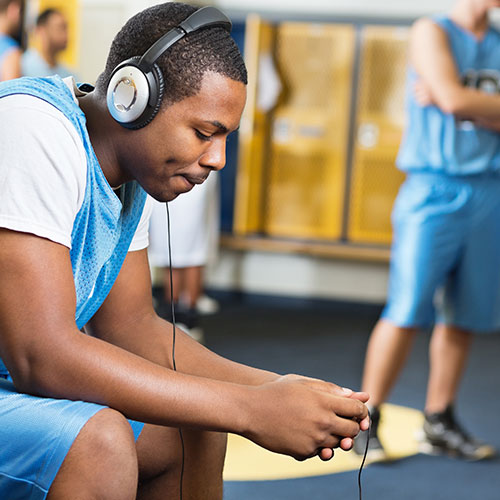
248	462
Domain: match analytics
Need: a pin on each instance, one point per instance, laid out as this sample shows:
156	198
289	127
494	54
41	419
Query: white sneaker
207	305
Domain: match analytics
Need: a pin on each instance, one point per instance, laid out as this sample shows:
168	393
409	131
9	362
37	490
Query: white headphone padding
128	94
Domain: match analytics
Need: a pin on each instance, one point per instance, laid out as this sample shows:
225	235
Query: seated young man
90	401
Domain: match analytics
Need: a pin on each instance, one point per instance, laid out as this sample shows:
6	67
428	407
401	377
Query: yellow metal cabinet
379	125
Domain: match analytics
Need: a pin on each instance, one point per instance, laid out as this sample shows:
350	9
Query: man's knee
101	462
108	434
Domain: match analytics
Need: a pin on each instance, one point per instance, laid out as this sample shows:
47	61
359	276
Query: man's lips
195	180
191	181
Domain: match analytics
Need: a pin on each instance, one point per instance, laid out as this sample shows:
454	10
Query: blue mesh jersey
6	45
438	142
104	226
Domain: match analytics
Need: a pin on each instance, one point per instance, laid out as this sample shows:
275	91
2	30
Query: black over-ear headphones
135	90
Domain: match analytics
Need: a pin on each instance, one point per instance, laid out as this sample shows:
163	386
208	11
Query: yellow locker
306	169
253	133
379	124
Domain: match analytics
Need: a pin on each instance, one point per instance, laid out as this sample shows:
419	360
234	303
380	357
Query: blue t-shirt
32	64
435	141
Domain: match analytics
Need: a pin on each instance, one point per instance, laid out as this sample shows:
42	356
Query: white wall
386	8
100	21
299	276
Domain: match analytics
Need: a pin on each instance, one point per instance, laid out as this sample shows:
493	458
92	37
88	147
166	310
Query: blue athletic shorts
35	437
446	239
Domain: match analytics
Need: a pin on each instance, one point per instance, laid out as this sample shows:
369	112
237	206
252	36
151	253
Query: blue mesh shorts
35	437
446	238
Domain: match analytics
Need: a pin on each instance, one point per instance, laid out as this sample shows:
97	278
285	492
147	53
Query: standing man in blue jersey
446	221
10	53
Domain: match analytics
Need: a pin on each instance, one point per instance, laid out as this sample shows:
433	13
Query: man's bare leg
102	463
160	458
448	352
387	351
177	281
193	285
386	354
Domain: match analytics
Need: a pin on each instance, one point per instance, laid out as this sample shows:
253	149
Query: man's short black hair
44	16
185	62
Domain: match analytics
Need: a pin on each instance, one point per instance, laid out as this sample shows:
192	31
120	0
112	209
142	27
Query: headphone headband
202	18
135	89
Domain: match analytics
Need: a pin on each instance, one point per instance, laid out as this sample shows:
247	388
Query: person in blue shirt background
446	222
10	52
52	36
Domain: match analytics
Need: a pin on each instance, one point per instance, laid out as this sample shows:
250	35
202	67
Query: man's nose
215	156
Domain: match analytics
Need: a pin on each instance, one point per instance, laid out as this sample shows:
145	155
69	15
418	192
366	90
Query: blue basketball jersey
435	141
105	224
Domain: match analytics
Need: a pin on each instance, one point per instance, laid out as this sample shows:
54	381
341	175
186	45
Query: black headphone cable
173	342
364	456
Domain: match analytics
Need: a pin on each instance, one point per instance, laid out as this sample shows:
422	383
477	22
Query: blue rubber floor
328	340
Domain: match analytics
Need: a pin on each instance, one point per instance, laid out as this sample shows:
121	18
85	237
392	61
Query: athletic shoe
207	305
376	452
442	435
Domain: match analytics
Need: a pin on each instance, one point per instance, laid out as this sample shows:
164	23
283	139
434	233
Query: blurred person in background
10	52
51	38
446	222
194	225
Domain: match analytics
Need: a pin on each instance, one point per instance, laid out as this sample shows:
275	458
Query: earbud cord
364	456
173	340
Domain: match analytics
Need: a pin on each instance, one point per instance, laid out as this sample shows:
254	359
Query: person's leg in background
194	228
471	304
387	351
187	285
422	256
386	354
441	433
448	352
451	249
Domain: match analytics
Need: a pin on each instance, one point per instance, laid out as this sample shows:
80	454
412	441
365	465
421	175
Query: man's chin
164	197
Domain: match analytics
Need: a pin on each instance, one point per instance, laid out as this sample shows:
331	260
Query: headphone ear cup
134	95
128	92
156	99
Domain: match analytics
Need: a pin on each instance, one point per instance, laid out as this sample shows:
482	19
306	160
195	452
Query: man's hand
304	417
422	93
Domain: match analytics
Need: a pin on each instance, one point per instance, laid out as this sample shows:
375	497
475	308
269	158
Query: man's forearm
89	369
151	338
471	103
